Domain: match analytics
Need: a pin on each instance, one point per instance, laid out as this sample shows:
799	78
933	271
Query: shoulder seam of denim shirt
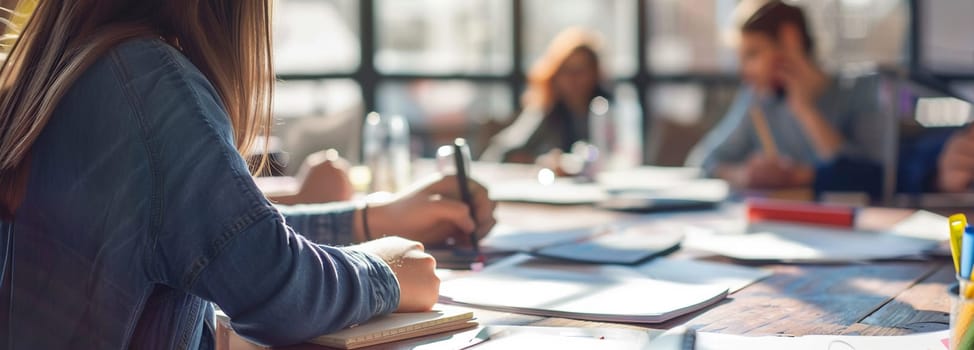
178	70
155	208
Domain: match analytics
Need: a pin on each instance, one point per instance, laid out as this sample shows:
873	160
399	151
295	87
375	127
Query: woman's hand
433	213
764	172
419	288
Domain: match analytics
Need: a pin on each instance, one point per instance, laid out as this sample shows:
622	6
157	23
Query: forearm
279	288
826	140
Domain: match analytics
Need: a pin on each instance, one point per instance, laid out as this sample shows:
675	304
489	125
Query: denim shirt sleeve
212	232
329	223
728	143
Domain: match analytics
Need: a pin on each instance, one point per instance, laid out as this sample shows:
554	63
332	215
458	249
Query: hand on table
419	287
323	178
956	164
764	172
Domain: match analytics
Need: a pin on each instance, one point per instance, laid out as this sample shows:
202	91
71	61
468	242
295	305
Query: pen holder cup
962	316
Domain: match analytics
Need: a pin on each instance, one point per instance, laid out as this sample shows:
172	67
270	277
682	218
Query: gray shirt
851	106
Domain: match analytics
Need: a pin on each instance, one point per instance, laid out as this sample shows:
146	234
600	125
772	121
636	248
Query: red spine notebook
799	212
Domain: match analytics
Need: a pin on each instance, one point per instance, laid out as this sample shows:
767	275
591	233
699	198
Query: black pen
461	154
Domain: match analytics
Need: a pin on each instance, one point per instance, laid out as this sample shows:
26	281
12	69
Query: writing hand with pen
434	213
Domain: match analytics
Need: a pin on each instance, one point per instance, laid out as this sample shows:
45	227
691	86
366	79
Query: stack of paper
617	244
398	326
651	182
806	244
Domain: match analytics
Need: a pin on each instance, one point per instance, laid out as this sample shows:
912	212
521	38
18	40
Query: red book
801	212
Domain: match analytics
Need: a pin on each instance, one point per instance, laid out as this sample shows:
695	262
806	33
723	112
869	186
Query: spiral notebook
398	326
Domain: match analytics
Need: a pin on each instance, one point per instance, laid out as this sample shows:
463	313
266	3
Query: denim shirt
850	105
140	213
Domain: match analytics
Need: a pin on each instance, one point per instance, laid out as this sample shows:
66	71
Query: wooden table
886	298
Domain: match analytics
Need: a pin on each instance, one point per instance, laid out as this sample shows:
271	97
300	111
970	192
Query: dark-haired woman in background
814	119
555	115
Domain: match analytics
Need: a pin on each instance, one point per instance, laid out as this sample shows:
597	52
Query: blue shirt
851	106
140	213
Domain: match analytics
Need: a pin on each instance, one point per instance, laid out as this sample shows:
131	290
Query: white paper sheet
561	192
923	341
564	338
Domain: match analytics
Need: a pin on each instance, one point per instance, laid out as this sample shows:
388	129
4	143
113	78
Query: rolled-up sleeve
328	223
214	235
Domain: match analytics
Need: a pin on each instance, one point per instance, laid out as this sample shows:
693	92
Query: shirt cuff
382	286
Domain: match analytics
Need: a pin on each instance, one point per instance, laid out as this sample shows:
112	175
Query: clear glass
613	20
439	111
961	317
443	36
387	152
316	36
315	115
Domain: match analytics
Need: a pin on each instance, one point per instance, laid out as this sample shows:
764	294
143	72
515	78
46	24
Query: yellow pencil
764	132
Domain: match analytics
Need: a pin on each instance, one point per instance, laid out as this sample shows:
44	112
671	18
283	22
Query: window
613	20
443	36
689	37
456	68
316	36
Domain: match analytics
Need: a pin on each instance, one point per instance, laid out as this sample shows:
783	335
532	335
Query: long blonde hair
228	40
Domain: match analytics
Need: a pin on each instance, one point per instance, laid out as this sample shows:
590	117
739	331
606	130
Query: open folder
589	292
618	244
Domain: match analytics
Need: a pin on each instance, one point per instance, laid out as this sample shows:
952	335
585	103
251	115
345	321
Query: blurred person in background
556	104
940	162
816	121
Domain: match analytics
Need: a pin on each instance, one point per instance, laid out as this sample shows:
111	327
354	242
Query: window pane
443	36
613	20
687	36
314	115
858	31
440	110
945	36
316	36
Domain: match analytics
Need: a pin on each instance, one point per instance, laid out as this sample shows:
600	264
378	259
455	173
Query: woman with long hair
556	103
127	210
